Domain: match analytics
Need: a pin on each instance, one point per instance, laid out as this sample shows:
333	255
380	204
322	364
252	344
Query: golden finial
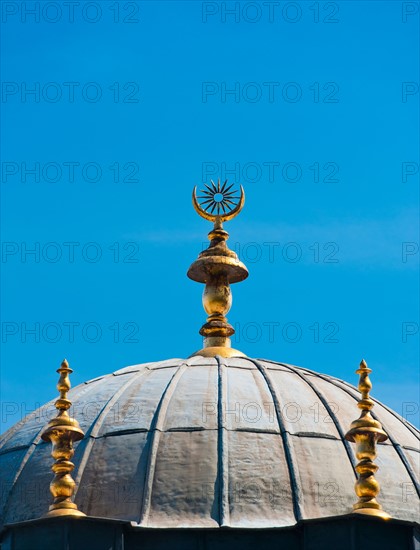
218	267
62	431
366	432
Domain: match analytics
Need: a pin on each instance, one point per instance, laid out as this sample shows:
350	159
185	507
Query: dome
211	442
216	440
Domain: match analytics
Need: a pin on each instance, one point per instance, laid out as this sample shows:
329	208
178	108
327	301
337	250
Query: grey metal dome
209	442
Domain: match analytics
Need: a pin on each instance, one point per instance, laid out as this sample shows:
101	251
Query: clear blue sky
132	108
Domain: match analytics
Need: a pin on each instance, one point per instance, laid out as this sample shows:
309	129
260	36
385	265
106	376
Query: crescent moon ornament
218	202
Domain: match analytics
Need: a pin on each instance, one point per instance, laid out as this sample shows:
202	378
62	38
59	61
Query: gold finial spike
62	431
366	432
218	267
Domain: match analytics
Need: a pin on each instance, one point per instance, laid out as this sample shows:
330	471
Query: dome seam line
222	445
95	426
294	485
312	435
158	419
332	415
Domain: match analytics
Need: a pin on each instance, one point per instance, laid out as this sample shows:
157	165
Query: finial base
63	509
212	351
372	512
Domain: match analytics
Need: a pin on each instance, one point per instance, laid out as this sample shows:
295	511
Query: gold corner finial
62	431
218	267
366	432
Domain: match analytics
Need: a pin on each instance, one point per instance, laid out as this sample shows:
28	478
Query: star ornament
218	197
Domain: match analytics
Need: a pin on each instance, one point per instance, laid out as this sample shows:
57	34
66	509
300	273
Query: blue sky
132	108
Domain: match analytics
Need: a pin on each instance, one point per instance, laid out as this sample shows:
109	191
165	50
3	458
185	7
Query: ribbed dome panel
210	442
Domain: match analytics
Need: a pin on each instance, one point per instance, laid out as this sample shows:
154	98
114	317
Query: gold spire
62	431
366	432
218	267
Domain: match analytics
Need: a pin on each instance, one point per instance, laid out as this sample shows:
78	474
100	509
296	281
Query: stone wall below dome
351	532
